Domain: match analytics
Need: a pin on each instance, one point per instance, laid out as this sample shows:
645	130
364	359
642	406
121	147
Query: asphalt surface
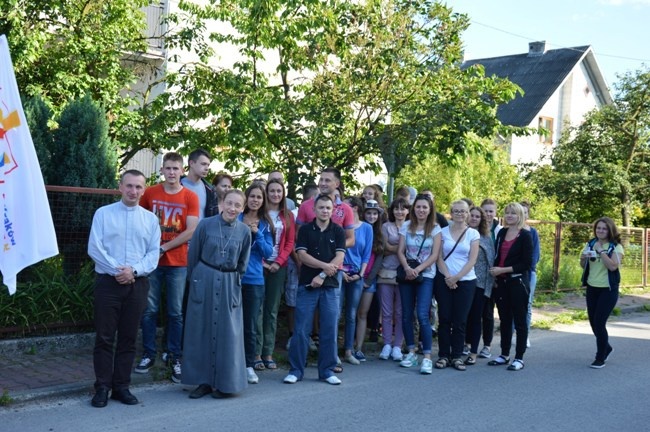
556	391
47	383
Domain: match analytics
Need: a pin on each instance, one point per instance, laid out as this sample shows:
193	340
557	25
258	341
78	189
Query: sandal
338	368
258	365
516	365
458	364
499	361
270	364
470	361
442	363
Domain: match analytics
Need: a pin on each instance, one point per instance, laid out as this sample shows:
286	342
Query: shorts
371	289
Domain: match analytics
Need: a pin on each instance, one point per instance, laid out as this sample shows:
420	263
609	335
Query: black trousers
118	309
512	304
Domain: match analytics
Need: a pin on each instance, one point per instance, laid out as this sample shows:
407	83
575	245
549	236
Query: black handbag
412	262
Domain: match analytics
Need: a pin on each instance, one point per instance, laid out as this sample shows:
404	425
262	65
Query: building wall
567	106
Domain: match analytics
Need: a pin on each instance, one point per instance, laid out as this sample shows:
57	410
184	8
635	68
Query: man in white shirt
124	243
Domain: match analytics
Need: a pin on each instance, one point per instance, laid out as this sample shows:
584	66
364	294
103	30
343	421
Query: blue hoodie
261	248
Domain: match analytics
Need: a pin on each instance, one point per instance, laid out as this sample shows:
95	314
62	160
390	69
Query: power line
555	45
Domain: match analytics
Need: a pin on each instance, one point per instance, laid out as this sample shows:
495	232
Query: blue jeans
453	308
531	297
417	297
252	299
352	295
174	279
327	302
600	304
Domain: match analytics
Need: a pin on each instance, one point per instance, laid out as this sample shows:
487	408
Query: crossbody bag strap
420	249
456	244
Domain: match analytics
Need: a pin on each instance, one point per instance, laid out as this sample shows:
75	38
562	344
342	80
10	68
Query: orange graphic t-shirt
172	211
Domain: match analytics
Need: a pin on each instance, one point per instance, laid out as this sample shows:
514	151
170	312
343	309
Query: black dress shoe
124	396
200	391
217	394
101	398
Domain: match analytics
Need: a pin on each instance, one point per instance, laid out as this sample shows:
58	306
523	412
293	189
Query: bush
48	298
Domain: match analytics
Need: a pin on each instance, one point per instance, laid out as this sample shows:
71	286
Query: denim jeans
252	298
417	297
327	302
352	295
531	297
174	280
600	304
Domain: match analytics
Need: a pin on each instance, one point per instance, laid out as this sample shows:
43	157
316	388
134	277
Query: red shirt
172	211
341	215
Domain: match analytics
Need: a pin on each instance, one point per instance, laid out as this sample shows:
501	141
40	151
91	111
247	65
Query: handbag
412	262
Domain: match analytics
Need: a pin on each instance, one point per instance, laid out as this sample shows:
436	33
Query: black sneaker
597	364
145	364
176	370
609	351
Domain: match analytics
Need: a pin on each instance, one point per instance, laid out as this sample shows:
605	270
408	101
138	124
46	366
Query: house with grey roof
560	86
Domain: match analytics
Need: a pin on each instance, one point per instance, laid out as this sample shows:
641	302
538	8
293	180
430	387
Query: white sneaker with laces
427	366
385	352
396	354
411	359
252	376
333	380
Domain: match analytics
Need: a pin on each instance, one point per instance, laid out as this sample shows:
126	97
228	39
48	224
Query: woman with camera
419	245
601	259
514	255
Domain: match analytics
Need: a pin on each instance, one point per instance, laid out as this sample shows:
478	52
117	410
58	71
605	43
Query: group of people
225	257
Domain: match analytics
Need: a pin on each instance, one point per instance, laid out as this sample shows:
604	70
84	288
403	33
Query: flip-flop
270	364
259	365
338	368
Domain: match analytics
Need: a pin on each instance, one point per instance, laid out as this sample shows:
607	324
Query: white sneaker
385	352
411	359
528	343
427	366
288	344
312	345
290	379
251	376
352	360
333	380
396	354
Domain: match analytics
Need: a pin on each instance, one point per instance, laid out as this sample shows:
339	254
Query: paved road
557	391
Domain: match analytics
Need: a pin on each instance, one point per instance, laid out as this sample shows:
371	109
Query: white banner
28	231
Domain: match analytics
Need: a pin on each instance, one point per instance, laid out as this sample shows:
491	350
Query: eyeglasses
458	212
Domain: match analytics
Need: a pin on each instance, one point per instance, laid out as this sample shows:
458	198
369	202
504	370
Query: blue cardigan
261	248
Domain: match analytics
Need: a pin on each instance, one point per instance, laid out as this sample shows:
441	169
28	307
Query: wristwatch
322	275
134	271
162	251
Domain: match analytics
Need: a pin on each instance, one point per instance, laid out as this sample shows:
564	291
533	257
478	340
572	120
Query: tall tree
602	167
329	83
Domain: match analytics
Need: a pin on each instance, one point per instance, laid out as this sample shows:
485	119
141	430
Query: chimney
536	49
